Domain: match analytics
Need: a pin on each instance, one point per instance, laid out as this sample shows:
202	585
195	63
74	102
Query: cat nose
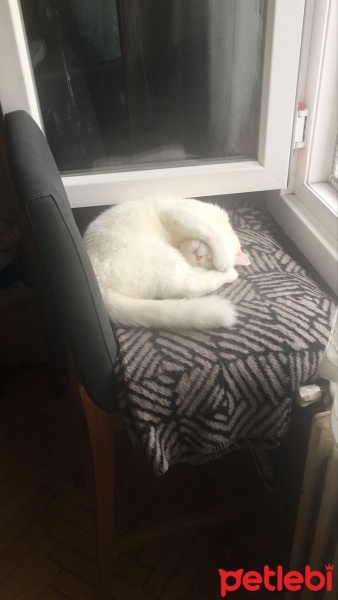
198	257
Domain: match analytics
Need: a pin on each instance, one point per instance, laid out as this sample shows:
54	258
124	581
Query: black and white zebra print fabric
194	396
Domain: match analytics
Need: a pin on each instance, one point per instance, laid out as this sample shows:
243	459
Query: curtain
236	55
193	70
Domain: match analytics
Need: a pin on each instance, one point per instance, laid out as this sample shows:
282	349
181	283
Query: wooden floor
47	530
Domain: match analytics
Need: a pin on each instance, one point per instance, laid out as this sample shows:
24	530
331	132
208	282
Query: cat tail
193	313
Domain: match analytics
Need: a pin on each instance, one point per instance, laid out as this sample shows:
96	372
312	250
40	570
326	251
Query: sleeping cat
155	257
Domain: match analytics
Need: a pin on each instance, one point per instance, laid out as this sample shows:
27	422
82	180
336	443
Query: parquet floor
47	530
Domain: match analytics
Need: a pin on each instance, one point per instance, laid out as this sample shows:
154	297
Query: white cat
155	257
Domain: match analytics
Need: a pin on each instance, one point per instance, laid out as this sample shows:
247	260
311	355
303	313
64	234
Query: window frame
307	209
269	171
313	165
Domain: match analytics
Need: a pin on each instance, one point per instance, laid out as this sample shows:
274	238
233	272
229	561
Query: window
308	208
136	85
227	130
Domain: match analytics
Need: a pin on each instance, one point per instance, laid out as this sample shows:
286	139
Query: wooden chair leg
101	434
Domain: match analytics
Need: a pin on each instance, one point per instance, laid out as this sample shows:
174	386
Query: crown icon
329	567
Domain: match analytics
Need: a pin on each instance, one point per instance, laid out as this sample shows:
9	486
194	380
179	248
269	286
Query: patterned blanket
193	396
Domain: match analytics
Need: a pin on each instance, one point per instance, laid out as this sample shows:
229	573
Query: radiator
315	539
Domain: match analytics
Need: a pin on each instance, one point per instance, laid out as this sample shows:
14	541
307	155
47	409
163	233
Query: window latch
302	115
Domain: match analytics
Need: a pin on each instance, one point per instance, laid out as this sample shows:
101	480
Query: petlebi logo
275	580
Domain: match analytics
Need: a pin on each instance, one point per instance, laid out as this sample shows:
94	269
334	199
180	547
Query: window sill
320	200
309	234
327	195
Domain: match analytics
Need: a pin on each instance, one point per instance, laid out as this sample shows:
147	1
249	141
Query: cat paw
222	262
231	275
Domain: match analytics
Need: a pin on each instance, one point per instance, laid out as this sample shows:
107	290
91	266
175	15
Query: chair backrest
44	202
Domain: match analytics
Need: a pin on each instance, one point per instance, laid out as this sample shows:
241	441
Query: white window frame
270	171
308	209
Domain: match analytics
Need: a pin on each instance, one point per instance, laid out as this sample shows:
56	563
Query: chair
102	374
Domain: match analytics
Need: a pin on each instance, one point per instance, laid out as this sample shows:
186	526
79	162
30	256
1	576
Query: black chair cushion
192	396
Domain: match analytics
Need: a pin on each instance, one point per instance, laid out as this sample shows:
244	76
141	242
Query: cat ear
241	259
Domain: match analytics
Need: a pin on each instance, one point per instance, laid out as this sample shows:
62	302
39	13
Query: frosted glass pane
142	83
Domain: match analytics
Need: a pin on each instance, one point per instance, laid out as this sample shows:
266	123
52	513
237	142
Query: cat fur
144	254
